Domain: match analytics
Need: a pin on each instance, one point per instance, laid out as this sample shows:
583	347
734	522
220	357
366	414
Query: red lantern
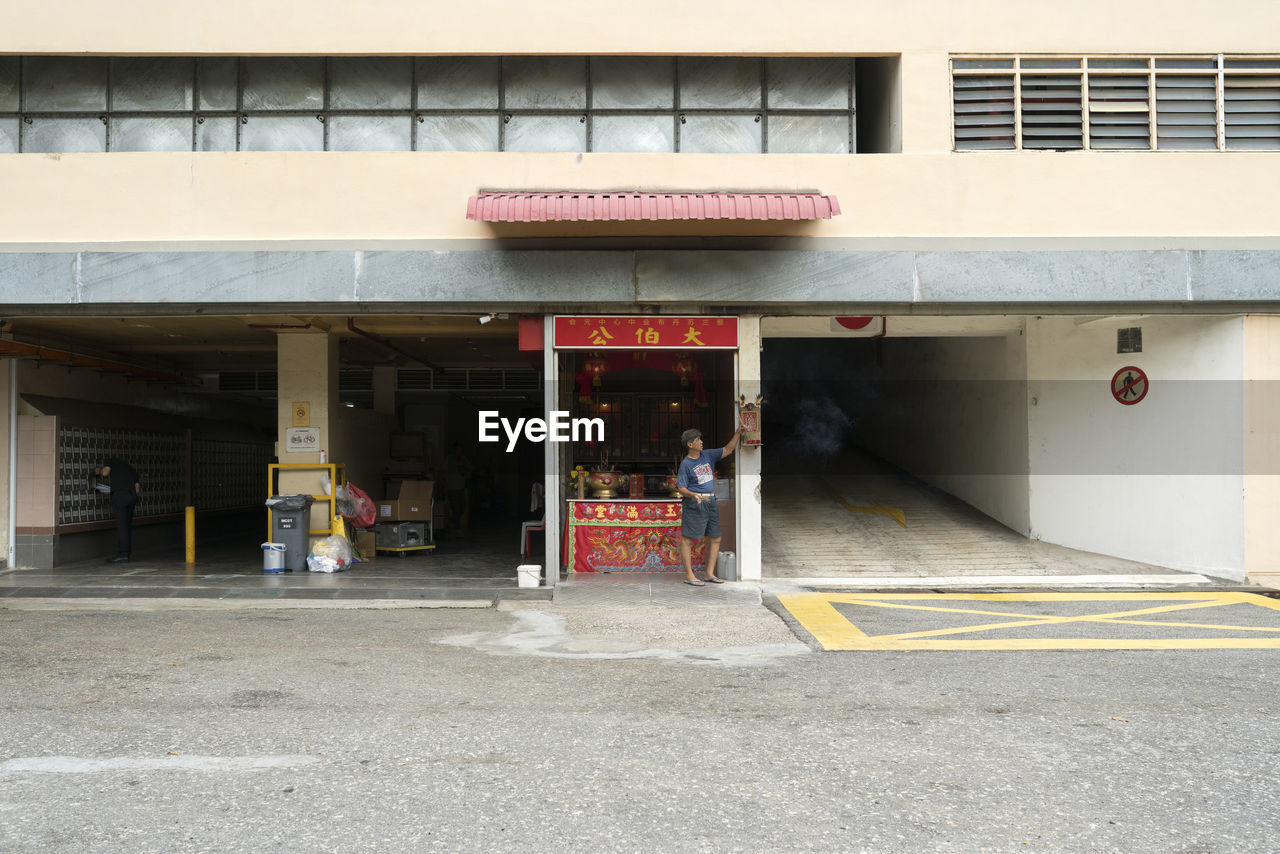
683	367
594	366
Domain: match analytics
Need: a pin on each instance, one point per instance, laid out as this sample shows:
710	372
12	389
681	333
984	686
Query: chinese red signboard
647	332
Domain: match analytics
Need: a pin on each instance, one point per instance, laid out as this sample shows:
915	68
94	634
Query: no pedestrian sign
1129	385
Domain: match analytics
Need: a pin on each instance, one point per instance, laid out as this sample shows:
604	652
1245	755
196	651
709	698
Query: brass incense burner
605	484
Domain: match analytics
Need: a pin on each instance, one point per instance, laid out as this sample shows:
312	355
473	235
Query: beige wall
924	32
1262	448
659	26
37	472
359	200
415	200
1156	482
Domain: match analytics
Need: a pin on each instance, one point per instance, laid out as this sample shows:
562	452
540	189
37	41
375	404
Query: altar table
622	535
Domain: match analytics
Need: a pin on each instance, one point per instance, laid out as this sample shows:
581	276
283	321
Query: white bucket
529	574
273	557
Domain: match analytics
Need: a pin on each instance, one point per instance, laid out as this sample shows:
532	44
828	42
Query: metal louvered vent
523	380
470	379
1186	112
413	379
1119	111
1251	105
237	381
1051	111
247	381
1138	103
983	112
452	378
485	380
355	380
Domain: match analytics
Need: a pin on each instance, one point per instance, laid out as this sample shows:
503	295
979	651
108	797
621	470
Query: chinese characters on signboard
646	332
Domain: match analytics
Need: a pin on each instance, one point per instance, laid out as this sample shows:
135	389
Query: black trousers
122	505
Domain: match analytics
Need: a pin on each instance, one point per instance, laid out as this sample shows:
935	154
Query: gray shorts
699	519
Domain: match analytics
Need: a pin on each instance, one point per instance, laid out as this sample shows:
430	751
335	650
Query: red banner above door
645	332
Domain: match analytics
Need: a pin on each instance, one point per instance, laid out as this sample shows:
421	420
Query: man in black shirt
125	489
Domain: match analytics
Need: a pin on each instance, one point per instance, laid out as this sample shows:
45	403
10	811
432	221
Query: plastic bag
345	506
332	554
289	503
355	504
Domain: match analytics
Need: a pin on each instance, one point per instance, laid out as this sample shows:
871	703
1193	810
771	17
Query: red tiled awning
605	207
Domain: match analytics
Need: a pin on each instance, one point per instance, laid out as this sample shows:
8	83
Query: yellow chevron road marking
835	629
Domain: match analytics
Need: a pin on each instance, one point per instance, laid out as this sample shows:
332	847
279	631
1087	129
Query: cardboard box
409	500
366	543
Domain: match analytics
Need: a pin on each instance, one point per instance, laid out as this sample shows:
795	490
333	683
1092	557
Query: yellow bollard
191	535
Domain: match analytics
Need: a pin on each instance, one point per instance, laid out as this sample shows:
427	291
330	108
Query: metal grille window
1251	103
983	104
1050	102
520	103
1147	103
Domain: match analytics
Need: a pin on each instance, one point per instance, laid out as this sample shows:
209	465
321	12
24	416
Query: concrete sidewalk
473	570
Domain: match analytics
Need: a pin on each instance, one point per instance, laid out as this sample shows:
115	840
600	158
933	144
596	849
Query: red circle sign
854	322
1129	385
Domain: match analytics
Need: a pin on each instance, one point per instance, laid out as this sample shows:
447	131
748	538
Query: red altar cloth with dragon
625	536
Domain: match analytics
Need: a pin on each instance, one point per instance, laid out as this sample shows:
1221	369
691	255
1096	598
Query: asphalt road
356	730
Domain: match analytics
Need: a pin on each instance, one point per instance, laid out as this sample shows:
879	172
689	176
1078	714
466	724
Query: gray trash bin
291	525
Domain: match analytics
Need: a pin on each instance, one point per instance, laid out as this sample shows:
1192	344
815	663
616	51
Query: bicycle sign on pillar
1129	385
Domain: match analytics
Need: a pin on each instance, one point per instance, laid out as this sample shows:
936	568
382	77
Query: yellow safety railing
337	478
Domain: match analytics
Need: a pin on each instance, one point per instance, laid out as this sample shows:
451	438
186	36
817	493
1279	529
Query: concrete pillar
307	375
1262	449
384	390
551	458
747	489
7	473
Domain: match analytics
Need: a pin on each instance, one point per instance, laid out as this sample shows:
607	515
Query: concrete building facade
267	187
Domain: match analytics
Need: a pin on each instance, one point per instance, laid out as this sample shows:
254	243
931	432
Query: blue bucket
273	557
